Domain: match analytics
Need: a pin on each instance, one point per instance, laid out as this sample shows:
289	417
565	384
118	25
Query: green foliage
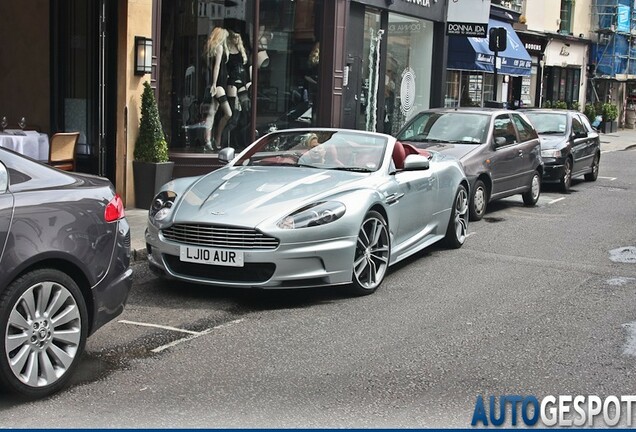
575	105
610	112
151	145
560	104
547	104
590	112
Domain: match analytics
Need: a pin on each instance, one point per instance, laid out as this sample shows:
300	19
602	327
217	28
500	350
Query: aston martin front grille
219	236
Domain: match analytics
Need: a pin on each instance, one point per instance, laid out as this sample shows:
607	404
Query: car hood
552	141
247	196
459	151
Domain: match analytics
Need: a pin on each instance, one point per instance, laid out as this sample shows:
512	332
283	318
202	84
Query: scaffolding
614	53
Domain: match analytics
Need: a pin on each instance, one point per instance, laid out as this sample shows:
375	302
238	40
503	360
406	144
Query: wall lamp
143	55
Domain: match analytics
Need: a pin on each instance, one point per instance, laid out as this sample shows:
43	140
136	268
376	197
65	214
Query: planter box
148	178
609	127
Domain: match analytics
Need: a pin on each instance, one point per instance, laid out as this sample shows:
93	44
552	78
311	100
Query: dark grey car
499	150
570	146
64	270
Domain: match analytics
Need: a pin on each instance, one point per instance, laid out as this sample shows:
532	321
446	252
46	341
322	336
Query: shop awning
473	54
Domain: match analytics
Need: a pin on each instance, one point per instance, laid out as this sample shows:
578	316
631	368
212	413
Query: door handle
520	153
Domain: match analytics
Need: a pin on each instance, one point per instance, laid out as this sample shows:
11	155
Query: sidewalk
138	219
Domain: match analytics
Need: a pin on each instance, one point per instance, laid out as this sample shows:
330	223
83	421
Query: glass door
370	68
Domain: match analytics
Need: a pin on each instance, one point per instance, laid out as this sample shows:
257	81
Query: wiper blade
352	169
462	142
551	132
302	165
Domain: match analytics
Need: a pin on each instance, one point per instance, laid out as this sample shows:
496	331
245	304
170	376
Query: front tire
458	223
566	179
592	176
478	201
531	197
43	331
371	259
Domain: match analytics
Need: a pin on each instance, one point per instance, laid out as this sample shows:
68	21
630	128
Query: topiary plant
610	112
575	105
547	104
560	104
151	145
590	112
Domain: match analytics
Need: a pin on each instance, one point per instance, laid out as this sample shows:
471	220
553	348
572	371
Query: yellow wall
135	19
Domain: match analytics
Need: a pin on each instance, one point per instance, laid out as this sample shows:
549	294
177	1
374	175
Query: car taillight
114	210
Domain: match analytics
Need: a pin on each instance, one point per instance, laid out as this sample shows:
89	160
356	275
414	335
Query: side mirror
577	135
226	155
415	163
500	141
4	178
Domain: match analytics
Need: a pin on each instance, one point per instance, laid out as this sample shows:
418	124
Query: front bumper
552	170
290	265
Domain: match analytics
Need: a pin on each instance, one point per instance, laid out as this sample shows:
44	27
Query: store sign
423	3
466	29
468	18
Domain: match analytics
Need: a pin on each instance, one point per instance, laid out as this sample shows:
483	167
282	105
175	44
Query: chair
62	150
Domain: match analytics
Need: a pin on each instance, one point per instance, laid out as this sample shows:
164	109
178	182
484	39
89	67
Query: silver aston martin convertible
306	208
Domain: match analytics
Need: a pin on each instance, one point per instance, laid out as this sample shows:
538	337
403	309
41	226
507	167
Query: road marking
199	334
556	200
159	326
472	233
607	178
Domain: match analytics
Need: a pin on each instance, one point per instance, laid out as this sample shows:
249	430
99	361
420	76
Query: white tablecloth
29	143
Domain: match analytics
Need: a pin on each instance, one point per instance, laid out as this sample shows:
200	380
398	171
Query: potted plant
560	104
151	168
610	114
590	112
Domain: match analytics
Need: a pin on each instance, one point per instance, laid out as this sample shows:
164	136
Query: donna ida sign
467	18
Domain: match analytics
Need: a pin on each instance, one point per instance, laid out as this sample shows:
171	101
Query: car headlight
162	205
551	153
317	214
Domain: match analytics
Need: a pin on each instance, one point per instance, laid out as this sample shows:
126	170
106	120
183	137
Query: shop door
83	66
364	41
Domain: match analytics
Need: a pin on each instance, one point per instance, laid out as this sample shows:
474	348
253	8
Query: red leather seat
399	155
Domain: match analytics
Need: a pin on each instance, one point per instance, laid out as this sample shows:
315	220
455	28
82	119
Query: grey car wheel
592	176
478	201
566	180
371	259
43	326
531	197
458	223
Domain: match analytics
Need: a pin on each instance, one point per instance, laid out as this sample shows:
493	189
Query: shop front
471	70
365	65
563	78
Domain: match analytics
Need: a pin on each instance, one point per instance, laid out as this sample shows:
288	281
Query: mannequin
216	51
238	79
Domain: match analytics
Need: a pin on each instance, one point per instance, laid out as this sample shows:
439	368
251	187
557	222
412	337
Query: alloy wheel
372	253
461	215
43	334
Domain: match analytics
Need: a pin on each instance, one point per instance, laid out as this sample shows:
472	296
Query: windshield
548	123
324	149
447	127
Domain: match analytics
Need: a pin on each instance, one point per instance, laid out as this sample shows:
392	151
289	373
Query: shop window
287	47
409	62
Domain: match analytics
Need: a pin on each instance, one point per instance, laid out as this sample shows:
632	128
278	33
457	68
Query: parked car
499	150
277	216
570	146
64	270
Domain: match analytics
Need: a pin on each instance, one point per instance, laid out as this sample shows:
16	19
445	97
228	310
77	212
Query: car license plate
222	257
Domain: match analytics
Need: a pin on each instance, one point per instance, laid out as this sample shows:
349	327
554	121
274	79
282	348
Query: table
29	143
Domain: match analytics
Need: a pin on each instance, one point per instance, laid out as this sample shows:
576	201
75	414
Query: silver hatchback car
499	150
